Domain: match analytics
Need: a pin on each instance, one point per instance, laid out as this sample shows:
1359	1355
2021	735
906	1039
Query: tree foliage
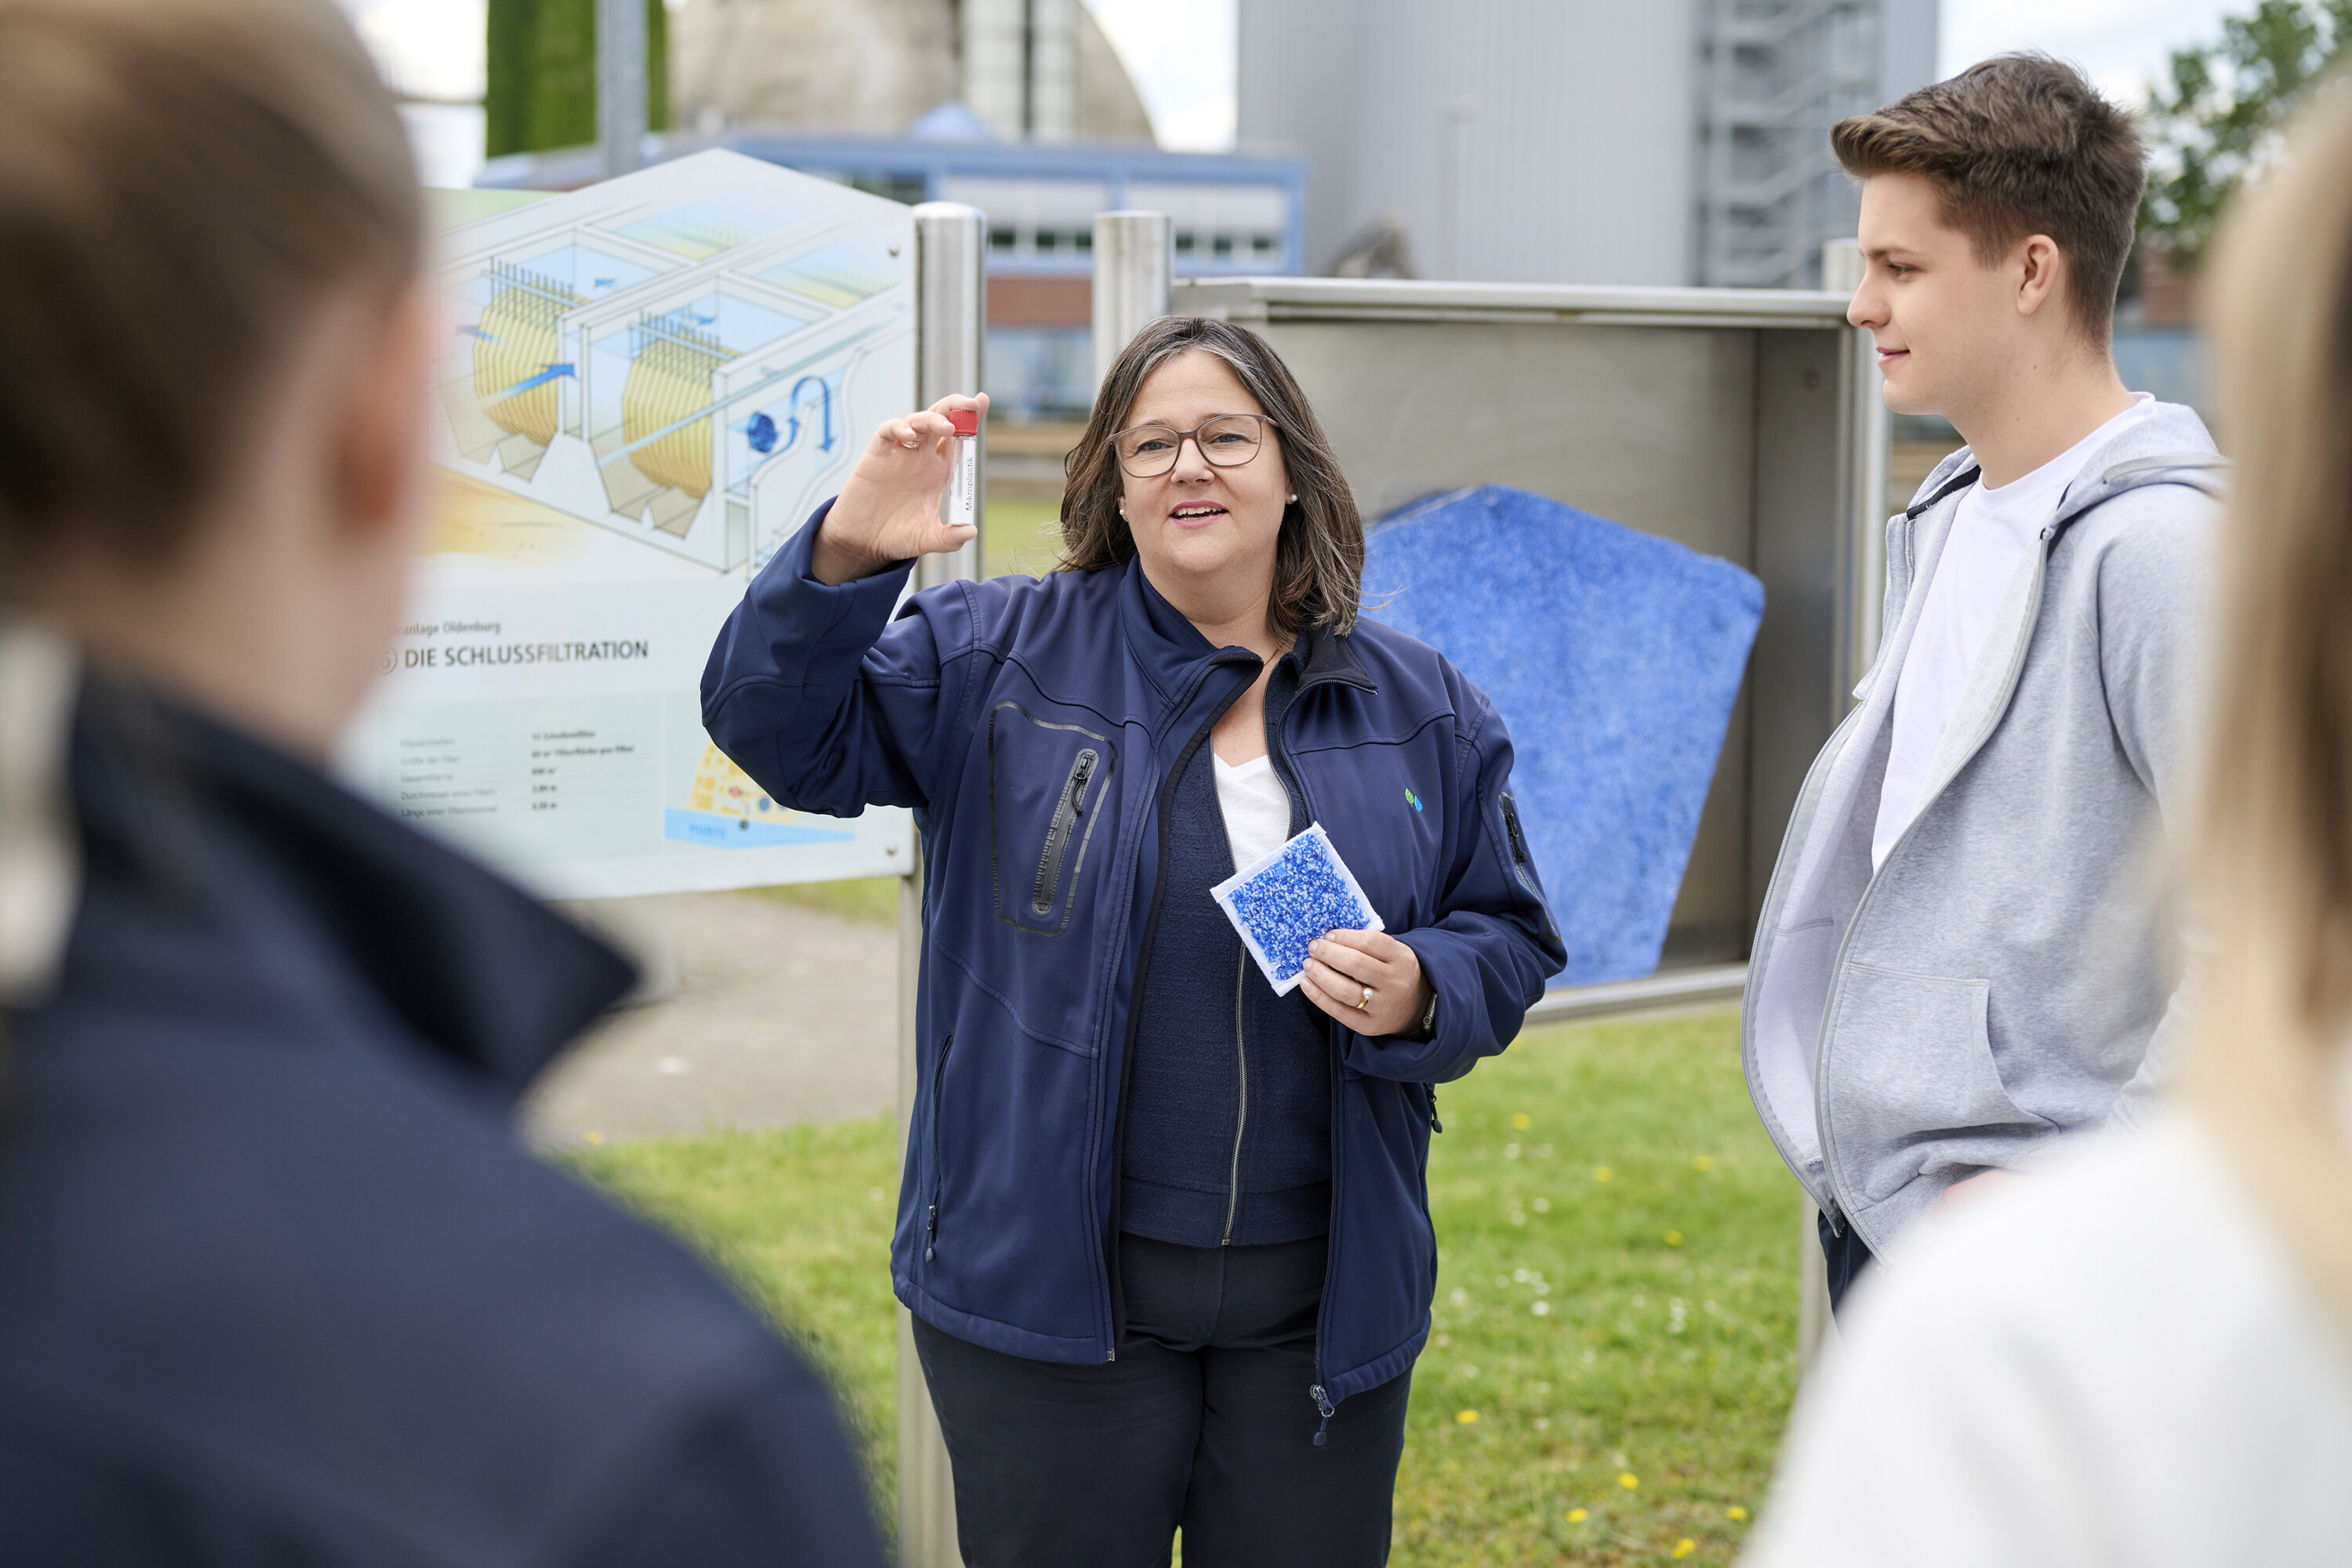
542	74
2218	117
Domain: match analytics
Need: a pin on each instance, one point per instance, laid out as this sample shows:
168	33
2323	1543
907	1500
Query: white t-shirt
1995	531
1257	807
2119	1362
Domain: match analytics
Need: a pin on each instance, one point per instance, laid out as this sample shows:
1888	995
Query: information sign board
645	388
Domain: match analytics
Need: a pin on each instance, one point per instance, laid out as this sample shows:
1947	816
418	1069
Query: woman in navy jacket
1165	1235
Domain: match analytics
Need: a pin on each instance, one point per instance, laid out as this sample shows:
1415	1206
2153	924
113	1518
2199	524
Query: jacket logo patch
1411	799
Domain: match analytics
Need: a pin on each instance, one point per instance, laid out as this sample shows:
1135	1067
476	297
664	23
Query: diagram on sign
727	810
643	389
681	357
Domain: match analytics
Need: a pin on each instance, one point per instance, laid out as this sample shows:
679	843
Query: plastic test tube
963	489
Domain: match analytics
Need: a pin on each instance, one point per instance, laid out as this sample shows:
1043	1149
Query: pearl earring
1293	498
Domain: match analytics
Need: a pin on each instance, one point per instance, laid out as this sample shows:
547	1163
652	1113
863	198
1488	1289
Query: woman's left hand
1344	964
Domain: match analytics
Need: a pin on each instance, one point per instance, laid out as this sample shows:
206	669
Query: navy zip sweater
1229	1117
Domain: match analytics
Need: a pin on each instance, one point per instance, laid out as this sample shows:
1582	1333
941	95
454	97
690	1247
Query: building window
1002	239
1184	242
1046	241
907	188
1223	247
1266	244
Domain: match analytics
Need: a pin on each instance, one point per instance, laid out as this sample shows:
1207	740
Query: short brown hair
1318	565
2015	145
182	182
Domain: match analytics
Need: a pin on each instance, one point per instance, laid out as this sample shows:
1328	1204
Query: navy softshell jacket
1035	726
277	1282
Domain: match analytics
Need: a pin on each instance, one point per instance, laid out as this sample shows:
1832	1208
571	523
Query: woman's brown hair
182	183
2272	859
1318	565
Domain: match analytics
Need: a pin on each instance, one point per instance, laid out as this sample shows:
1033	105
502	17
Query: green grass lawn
1023	536
1614	1348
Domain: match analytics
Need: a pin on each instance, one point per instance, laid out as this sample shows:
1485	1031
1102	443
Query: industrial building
1674	141
1017	106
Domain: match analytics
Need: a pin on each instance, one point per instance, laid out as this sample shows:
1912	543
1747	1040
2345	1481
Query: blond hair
182	182
2272	858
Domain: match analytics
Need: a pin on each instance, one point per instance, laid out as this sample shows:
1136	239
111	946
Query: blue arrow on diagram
541	379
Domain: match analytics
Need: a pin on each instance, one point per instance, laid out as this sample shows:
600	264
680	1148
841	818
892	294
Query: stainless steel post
951	321
951	329
621	84
1863	595
1871	430
1134	264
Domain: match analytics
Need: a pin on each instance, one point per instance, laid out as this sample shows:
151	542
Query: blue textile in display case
1614	655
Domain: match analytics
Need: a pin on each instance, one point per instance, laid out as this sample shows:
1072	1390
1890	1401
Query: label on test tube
963	489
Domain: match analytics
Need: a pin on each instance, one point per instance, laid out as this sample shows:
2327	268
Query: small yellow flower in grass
1628	1480
1685	1547
1603	1173
1735	1511
1522	1121
593	1137
1673	1239
1575	1516
1703	1162
1465	1417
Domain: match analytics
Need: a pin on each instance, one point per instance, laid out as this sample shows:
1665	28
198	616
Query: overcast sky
1180	52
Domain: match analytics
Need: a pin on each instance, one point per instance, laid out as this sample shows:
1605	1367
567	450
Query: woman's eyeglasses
1226	440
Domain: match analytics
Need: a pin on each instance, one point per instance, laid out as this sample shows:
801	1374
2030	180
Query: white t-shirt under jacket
1993	535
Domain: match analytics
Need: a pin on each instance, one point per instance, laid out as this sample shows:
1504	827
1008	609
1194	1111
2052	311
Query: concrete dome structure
874	67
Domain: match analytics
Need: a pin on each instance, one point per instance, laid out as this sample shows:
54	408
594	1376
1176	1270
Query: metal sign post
950	319
1134	267
1869	428
621	85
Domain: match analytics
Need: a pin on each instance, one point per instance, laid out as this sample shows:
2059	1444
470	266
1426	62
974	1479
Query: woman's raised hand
888	510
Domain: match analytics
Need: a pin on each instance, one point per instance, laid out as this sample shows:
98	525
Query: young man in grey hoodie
1958	961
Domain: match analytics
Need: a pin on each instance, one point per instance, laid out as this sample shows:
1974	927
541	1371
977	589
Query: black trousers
1203	1425
1846	1257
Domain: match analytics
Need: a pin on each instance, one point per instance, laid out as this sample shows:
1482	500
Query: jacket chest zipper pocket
1067	812
931	1214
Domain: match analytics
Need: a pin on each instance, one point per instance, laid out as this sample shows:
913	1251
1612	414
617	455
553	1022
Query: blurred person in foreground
2145	1358
1955	967
276	1281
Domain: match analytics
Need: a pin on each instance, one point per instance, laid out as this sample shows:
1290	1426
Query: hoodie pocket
1909	1062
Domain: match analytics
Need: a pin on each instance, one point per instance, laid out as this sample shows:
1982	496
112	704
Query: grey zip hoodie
1999	982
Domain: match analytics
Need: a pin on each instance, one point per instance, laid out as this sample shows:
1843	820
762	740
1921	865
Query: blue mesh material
1614	657
1295	896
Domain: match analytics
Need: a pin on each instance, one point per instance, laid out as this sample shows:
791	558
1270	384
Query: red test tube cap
965	420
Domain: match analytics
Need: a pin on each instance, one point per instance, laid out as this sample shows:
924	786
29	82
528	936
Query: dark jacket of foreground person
277	1283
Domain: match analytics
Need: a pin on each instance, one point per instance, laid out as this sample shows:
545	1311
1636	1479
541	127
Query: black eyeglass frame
1266	422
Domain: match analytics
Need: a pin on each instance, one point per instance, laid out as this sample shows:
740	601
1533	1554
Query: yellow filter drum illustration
669	382
516	343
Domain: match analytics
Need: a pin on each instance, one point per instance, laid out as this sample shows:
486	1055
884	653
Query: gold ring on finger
1365	1005
910	444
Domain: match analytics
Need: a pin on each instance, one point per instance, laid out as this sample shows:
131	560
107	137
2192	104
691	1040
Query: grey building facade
1671	142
